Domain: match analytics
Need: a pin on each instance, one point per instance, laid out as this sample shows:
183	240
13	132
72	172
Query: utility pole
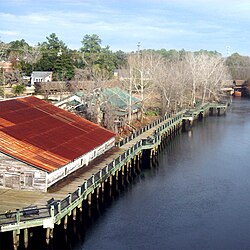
138	46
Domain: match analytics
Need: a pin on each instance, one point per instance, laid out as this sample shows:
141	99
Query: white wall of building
84	160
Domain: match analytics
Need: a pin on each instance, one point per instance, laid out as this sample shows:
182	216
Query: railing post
17	216
79	191
52	211
70	198
59	207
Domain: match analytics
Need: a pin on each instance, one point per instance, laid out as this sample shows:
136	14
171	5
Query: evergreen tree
56	57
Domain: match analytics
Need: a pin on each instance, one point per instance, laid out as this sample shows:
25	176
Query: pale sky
192	25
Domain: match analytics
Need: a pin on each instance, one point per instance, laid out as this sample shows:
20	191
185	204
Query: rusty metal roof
45	136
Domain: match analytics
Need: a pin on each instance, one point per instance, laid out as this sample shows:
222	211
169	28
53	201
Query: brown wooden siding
18	175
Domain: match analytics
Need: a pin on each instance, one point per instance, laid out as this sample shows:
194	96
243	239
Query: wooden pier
22	210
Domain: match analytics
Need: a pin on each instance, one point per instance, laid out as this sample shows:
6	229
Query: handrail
59	206
144	129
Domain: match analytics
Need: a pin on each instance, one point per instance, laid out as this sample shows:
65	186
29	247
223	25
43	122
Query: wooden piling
80	207
123	170
110	180
15	240
89	199
26	237
74	214
65	221
51	235
48	235
103	187
97	193
18	237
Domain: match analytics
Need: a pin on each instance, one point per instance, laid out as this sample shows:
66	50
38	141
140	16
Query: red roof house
45	143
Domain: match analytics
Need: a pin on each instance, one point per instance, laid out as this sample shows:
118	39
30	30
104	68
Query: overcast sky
221	25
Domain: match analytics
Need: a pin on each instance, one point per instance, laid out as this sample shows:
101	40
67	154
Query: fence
57	208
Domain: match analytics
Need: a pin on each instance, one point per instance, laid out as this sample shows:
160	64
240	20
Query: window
12	180
28	179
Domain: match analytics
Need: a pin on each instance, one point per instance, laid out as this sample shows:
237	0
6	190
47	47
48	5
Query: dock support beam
26	237
97	192
15	239
48	235
65	221
74	214
89	199
110	180
103	187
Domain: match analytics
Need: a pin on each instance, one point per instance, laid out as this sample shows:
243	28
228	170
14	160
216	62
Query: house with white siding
41	76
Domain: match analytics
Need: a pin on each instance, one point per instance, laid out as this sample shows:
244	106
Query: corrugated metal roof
45	136
120	98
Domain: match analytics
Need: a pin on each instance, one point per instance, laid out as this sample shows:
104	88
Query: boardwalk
17	199
86	182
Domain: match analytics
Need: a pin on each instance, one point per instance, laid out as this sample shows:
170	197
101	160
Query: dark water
197	197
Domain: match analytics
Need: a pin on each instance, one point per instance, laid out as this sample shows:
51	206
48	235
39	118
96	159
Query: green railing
57	209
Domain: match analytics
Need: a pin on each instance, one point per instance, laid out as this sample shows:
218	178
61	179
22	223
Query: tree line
54	55
162	79
67	64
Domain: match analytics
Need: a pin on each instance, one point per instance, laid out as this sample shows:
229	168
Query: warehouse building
41	144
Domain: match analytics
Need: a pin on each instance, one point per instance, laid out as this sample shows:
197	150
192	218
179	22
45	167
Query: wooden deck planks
17	199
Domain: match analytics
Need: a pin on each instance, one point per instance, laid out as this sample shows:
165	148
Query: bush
152	112
18	89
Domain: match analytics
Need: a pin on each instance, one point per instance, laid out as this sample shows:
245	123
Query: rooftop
41	73
45	136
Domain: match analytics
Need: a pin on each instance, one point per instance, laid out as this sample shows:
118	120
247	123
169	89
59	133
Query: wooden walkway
17	199
71	191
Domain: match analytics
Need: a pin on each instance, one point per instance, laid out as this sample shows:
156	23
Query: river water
196	197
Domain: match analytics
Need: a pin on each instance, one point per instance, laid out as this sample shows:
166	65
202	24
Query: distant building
41	144
114	102
41	76
238	82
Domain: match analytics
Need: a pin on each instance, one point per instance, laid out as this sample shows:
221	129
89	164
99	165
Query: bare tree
140	71
172	79
195	64
13	77
181	77
165	83
31	55
207	74
216	81
128	82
